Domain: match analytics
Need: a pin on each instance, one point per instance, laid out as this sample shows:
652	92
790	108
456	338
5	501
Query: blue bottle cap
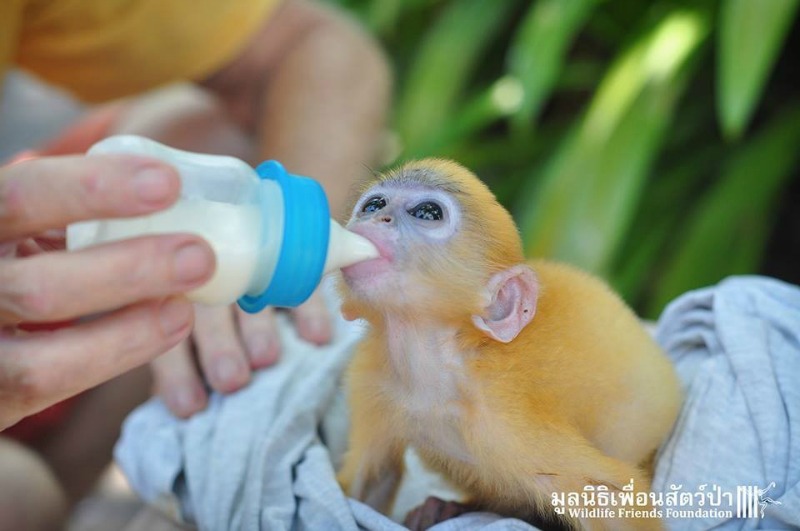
305	241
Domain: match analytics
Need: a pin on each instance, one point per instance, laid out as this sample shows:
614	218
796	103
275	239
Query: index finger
51	192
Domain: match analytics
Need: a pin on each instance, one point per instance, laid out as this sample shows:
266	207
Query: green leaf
629	279
447	56
657	222
750	36
383	16
728	230
536	55
501	99
590	189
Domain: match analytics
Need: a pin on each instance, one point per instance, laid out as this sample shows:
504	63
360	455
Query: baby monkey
514	380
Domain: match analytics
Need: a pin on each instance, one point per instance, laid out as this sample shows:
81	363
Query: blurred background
654	143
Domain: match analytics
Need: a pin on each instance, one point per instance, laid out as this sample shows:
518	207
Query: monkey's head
449	252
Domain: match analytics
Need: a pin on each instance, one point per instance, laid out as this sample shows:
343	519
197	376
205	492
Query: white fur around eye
365	198
401	199
436	230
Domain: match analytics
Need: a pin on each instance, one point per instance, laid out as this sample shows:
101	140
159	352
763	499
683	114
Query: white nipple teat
347	248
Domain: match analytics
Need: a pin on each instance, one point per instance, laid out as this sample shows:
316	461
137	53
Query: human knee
30	496
354	47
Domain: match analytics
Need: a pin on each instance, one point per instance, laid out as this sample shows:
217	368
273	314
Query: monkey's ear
511	303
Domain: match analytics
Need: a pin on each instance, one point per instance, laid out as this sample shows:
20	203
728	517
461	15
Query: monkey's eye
374	204
428	211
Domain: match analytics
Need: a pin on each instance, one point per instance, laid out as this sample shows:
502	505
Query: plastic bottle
271	231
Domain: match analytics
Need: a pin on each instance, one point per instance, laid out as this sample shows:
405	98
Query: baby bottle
271	231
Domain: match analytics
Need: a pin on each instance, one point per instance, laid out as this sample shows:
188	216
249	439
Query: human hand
227	344
133	284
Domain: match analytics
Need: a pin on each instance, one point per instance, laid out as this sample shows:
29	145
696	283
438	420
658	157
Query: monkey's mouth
365	270
369	268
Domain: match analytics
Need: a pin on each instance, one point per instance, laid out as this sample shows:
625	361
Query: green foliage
750	36
727	229
587	196
594	122
447	55
537	54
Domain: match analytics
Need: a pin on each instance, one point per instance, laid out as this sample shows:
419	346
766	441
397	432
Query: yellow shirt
104	49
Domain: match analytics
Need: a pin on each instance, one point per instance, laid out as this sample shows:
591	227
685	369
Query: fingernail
152	185
193	262
229	372
318	330
186	401
264	354
175	315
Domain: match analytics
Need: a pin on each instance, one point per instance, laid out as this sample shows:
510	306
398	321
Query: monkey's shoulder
569	281
573	303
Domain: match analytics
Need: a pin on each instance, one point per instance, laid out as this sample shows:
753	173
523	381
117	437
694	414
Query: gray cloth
264	458
737	351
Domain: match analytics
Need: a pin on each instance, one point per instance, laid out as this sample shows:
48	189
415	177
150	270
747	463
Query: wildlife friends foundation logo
707	501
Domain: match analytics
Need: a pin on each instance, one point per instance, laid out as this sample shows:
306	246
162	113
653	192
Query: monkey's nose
385	218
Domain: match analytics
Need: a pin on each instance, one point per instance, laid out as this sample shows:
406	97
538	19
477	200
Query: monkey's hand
344	482
433	511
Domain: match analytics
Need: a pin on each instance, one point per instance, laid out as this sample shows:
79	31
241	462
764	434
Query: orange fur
582	396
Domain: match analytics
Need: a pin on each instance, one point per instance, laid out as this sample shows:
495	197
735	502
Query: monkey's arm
373	464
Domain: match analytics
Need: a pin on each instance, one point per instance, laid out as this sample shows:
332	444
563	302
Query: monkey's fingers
433	511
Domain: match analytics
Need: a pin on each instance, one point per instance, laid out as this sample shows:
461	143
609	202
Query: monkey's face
448	250
414	226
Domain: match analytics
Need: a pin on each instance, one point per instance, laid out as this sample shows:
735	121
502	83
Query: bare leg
80	450
30	496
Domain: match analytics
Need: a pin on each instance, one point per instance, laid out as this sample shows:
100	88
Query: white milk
232	231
